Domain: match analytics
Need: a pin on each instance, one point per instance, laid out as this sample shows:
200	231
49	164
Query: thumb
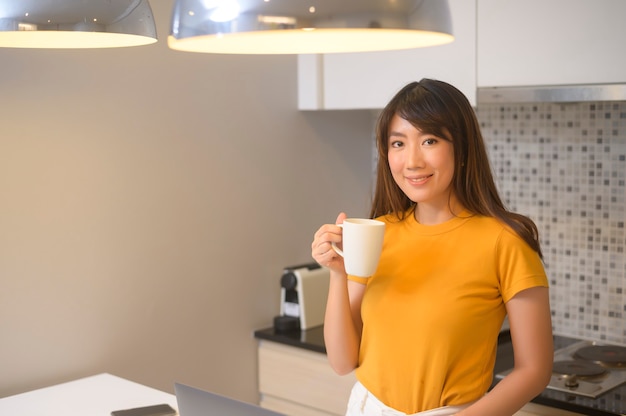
342	216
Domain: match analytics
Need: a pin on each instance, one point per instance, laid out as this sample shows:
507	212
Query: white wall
149	200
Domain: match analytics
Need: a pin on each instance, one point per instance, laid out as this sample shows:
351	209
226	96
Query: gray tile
564	165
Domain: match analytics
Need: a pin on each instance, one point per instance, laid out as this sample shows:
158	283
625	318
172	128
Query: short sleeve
519	266
362	280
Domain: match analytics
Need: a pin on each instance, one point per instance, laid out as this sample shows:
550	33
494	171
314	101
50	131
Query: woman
422	331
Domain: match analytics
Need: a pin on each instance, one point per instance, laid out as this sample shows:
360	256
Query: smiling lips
418	180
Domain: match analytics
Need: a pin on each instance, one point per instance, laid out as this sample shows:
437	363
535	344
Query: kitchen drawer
532	409
300	382
287	407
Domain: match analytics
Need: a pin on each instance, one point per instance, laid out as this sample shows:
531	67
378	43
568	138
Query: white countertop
91	396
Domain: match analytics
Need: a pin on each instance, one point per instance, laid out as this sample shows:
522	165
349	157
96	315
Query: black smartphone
155	410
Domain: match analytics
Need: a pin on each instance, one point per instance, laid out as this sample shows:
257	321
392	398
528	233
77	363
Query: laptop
195	402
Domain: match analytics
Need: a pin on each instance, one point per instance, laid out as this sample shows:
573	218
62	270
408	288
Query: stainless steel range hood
554	94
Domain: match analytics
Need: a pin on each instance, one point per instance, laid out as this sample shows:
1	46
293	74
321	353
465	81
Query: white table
92	396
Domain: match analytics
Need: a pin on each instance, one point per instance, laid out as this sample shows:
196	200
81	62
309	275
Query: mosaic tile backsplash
564	165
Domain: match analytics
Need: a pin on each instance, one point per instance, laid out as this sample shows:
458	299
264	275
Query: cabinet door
299	382
550	42
369	80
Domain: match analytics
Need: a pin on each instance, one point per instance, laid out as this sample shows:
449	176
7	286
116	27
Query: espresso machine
303	293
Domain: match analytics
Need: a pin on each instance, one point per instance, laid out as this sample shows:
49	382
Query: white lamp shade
76	23
308	26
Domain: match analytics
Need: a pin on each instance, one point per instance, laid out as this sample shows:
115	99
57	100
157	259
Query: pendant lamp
307	26
76	23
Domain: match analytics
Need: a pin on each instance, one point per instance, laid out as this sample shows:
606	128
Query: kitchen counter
311	339
610	404
96	395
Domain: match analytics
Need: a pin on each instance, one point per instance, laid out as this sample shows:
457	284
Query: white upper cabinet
551	42
369	80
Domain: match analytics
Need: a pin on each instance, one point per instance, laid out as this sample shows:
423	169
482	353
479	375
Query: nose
414	157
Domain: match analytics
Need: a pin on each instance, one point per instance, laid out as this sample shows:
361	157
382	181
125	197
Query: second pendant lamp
308	26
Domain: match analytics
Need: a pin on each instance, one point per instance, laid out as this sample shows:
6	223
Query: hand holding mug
321	249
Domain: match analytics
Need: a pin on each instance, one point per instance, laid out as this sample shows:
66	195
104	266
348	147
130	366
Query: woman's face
421	164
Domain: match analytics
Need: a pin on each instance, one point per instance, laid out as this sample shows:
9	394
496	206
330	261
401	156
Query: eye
430	141
395	143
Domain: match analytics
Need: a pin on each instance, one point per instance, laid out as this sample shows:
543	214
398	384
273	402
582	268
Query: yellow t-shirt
433	309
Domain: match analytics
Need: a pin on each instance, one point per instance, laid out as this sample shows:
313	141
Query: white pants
364	403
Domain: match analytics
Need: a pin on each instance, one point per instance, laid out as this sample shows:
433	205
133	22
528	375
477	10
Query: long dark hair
438	108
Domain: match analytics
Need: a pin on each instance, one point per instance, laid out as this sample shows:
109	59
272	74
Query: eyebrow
397	134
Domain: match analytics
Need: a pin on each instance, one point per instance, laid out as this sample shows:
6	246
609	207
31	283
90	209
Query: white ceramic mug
362	244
